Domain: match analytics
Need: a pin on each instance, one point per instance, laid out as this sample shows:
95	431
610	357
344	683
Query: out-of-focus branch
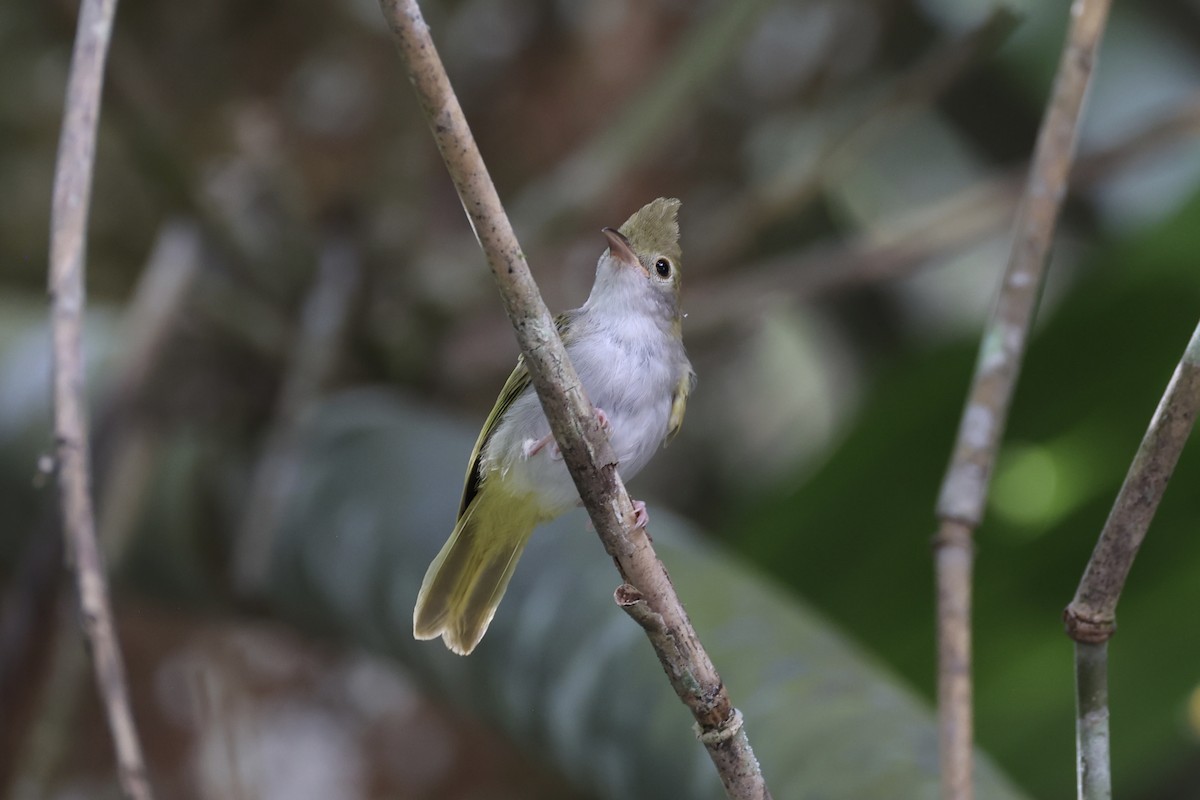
585	449
899	246
891	249
587	175
1182	123
153	313
29	608
787	190
46	742
159	304
53	693
964	488
1091	616
322	334
68	236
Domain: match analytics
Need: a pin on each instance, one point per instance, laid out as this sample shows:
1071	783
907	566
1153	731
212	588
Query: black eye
662	267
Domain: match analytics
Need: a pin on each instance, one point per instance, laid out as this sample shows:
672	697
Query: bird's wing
516	384
679	403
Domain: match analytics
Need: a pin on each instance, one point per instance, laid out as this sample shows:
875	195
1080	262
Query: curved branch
68	236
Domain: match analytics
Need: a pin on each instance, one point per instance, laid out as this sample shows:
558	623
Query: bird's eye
662	267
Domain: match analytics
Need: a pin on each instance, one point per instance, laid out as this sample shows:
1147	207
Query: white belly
629	377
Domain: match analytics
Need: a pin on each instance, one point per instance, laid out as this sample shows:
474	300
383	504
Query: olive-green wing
517	383
679	404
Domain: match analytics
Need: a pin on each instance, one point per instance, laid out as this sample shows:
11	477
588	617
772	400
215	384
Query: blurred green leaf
854	539
562	670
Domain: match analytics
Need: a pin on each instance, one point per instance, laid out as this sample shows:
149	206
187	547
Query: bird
626	344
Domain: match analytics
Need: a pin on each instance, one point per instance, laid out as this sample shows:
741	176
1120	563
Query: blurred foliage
853	538
561	670
846	169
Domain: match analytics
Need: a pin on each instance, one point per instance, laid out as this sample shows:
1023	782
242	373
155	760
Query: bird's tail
465	583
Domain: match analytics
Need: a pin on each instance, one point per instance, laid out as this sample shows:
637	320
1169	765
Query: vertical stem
1091	616
68	237
963	495
1093	778
954	553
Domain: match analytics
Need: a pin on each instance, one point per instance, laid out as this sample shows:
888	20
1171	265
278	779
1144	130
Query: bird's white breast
629	367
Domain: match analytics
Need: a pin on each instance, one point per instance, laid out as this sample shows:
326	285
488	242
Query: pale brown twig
68	235
584	447
1091	616
964	489
149	324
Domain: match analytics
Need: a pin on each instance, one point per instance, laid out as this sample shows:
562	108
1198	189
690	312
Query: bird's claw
641	517
555	453
532	447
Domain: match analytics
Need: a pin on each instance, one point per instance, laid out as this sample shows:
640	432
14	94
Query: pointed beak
618	245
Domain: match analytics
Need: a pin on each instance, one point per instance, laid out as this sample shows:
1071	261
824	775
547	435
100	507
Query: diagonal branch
68	236
584	447
1091	616
964	488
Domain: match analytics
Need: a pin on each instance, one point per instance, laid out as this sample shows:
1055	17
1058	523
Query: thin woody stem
584	447
68	237
1091	616
1093	772
965	486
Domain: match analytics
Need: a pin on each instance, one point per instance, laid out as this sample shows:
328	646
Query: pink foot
641	517
534	446
555	453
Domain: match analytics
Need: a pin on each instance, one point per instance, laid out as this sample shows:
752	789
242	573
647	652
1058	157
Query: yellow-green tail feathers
466	581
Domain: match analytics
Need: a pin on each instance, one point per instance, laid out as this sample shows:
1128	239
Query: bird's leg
532	448
641	517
